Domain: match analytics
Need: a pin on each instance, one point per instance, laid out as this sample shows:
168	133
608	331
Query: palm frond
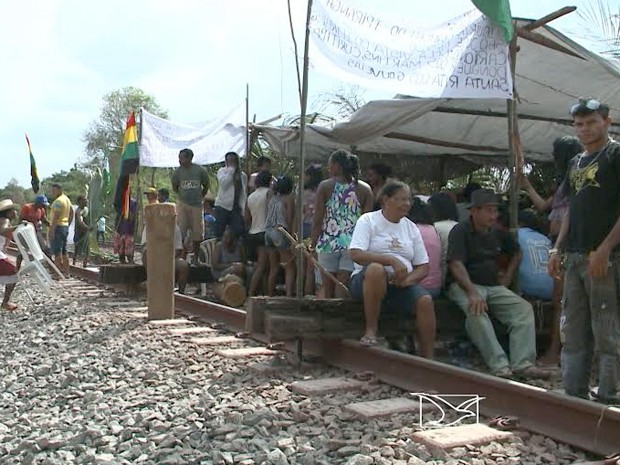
601	25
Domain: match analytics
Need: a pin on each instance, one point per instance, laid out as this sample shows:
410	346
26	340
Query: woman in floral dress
340	201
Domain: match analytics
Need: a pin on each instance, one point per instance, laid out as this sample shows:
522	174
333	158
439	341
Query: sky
60	57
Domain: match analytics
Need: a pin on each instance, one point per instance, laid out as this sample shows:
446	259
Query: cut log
230	291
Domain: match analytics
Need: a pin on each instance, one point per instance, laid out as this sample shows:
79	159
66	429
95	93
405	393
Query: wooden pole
513	141
302	155
550	17
248	161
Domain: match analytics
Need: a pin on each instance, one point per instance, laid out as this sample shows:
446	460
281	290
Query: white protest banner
161	140
466	57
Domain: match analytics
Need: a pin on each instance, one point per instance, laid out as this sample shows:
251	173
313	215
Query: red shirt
32	214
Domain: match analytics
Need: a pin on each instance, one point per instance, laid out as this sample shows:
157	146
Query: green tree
104	138
16	193
74	182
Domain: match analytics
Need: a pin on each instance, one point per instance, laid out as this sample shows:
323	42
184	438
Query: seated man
390	261
181	267
473	249
228	256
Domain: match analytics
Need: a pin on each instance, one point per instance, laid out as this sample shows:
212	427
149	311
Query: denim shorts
58	244
275	239
335	261
397	299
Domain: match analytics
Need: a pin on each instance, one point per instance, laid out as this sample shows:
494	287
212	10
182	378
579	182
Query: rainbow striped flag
130	161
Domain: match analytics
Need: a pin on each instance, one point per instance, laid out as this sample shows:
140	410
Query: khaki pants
190	218
511	310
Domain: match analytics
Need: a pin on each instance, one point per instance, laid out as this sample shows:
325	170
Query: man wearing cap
35	213
61	218
588	247
151	195
8	271
191	183
474	246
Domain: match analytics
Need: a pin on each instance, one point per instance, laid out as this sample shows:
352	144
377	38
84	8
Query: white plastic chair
25	236
207	248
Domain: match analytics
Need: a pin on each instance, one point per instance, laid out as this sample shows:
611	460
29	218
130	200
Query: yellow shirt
61	208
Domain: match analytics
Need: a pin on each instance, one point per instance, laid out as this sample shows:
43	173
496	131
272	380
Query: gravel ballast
82	382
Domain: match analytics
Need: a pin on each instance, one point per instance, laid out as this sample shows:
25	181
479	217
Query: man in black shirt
589	239
474	247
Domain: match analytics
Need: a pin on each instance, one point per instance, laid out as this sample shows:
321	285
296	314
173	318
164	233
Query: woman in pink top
421	215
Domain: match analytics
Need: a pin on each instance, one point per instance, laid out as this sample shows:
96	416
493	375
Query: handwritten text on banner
466	57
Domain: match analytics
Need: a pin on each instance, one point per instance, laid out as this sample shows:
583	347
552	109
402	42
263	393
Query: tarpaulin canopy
442	138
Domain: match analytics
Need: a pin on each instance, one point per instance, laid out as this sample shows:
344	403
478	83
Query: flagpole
248	161
302	155
137	231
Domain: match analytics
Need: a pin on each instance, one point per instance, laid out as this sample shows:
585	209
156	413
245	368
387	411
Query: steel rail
586	425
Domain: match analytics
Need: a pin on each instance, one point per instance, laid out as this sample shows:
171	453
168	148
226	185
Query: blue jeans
590	323
397	299
58	243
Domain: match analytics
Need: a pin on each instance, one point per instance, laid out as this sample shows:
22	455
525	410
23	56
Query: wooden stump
230	291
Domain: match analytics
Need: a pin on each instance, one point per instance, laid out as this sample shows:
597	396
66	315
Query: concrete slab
269	368
318	387
190	331
171	322
213	341
246	352
121	303
443	439
133	309
383	407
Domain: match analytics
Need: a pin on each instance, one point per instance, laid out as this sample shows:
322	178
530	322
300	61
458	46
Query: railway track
585	425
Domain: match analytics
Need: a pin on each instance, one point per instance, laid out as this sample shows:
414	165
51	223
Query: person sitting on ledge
478	289
390	261
228	256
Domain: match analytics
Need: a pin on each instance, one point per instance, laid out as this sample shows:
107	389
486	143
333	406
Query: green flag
105	177
34	174
497	11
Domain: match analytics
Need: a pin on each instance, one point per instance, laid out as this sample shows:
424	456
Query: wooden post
301	268
514	163
160	223
248	160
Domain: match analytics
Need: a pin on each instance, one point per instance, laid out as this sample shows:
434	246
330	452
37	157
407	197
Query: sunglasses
589	104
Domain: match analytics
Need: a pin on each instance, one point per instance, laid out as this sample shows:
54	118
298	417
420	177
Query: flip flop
369	341
613	459
9	307
504	423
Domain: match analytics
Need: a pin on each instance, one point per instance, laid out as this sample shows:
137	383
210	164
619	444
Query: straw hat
7	204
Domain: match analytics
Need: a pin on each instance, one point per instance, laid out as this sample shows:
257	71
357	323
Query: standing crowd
398	253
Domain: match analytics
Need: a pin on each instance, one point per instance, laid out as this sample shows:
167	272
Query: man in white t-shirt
390	260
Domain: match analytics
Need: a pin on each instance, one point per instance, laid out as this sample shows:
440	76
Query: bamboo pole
302	154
